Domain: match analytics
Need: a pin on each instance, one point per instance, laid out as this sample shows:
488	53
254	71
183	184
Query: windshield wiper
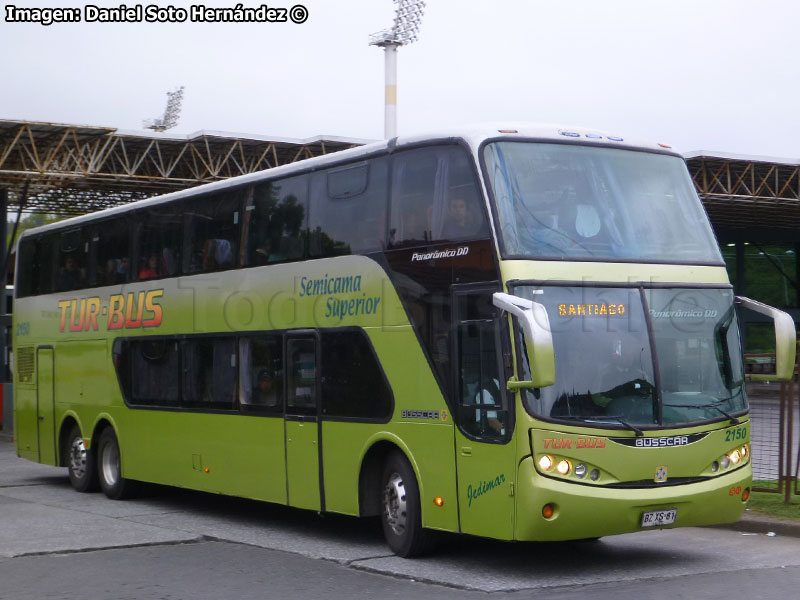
599	418
623	422
713	405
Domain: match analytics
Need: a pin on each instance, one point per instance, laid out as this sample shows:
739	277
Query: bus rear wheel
401	512
109	468
80	462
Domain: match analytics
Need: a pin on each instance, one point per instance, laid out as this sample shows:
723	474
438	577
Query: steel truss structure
747	192
72	169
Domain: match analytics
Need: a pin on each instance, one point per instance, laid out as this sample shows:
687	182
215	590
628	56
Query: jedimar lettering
484	487
122	311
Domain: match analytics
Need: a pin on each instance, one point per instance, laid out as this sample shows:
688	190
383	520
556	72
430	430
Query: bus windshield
565	200
650	357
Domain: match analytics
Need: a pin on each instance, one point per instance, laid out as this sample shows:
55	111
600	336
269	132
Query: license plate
656	518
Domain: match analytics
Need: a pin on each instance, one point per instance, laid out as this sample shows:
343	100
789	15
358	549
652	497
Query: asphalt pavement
172	543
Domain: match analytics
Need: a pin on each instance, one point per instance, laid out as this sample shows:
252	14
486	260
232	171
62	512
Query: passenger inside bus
217	254
150	269
464	216
69	276
265	391
122	270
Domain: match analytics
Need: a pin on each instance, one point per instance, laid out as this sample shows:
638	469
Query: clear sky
720	75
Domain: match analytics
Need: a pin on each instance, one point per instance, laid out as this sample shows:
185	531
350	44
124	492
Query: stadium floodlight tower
171	113
407	17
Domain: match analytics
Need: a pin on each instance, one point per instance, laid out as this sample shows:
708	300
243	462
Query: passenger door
45	406
485	456
302	422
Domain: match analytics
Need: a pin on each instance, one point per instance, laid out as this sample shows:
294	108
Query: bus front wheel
80	462
401	512
109	468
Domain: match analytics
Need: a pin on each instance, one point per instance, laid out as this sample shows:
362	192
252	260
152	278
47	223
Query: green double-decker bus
522	334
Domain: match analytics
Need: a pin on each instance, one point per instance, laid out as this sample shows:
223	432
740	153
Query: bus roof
473	135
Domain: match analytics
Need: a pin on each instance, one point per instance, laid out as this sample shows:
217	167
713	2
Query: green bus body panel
302	464
486	479
244	455
45	405
26	428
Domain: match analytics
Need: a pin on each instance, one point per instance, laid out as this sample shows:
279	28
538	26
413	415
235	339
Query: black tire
81	463
109	468
401	512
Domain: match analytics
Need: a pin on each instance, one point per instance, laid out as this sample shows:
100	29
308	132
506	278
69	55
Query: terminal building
753	202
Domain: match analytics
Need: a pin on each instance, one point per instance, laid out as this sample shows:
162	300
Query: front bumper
587	511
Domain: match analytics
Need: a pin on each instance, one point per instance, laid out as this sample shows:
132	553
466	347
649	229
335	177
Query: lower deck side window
257	374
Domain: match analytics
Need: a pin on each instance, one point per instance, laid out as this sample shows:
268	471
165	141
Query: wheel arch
369	477
68	421
102	422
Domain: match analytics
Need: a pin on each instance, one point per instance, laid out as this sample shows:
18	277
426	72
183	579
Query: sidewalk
756	523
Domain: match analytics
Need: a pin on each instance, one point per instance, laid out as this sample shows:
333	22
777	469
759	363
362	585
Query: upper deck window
435	198
583	202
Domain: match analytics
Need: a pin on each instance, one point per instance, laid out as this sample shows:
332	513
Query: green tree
29	222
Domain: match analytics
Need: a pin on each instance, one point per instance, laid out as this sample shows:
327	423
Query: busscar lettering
663	442
420	414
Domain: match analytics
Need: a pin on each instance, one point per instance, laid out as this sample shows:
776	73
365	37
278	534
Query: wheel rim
77	458
395	507
110	464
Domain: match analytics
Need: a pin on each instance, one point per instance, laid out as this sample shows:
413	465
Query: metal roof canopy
73	169
744	192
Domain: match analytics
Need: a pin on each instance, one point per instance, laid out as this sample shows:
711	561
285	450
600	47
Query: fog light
548	511
714	467
564	467
580	471
594	475
546	463
725	462
746	495
736	457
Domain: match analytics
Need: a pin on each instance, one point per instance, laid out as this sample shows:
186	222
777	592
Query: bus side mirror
538	339
785	340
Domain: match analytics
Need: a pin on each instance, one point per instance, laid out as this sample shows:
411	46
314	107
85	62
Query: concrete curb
754	523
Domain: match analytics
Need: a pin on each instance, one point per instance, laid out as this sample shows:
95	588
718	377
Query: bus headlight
580	471
736	457
725	462
564	467
546	463
745	451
